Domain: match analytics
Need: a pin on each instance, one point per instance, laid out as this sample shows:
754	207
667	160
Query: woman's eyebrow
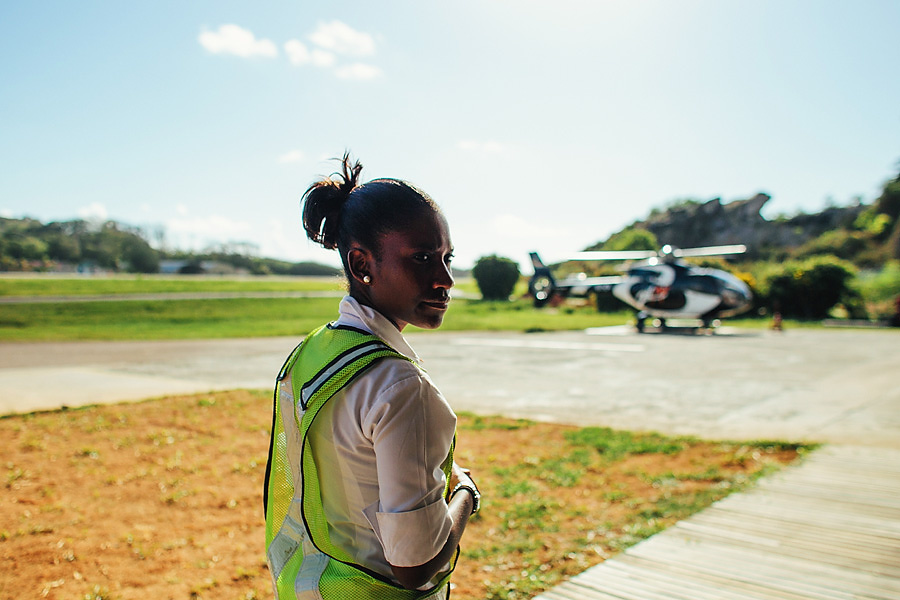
429	247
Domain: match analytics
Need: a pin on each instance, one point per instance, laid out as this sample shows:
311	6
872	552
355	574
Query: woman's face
410	277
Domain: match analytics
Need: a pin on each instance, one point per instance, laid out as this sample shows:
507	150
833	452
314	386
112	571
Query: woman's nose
444	277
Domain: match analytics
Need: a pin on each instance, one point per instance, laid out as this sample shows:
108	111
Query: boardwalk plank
643	587
729	562
759	584
803	509
846	533
829	554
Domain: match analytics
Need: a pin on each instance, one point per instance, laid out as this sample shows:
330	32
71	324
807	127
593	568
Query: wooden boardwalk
826	529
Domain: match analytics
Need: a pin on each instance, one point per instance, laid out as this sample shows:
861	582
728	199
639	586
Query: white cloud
358	72
232	39
329	41
343	39
297	52
321	58
6	213
483	146
181	209
299	55
292	156
93	212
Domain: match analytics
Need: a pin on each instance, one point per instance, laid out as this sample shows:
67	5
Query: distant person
895	318
777	321
362	497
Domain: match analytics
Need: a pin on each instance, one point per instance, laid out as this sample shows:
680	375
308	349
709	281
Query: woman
363	499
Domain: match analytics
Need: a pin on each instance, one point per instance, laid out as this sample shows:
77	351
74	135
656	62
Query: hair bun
324	200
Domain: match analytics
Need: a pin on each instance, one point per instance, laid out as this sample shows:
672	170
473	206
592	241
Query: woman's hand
458	474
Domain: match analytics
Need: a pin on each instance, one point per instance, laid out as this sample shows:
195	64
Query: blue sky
536	125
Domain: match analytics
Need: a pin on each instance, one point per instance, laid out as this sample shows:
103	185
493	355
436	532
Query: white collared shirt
379	462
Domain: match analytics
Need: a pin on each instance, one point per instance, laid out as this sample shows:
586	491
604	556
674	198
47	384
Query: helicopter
660	286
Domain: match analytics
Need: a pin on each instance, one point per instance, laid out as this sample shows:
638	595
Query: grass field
162	499
248	317
232	317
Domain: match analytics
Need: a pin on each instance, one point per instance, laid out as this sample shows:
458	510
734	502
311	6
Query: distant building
208	267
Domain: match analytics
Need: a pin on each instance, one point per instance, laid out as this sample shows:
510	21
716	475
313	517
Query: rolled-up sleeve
412	429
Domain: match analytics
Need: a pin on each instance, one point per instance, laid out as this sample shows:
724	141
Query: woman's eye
426	257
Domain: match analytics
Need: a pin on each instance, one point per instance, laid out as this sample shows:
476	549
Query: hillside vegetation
29	245
868	236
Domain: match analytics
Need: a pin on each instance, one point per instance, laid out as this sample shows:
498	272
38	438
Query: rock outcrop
740	222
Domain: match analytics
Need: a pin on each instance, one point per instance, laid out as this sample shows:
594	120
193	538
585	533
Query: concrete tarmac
838	386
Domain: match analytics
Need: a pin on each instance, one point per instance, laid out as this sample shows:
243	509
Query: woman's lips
437	304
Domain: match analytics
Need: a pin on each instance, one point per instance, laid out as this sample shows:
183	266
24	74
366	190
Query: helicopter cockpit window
705	284
645	274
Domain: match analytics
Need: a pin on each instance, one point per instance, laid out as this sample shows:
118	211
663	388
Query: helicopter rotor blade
614	255
710	250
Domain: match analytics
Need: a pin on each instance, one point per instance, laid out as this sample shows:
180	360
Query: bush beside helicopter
659	286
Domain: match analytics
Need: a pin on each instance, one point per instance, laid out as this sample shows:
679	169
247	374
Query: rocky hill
711	223
866	234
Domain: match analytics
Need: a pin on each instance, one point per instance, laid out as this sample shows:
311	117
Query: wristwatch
472	489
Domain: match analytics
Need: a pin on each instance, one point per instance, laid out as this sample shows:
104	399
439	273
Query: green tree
632	239
889	201
139	256
63	248
26	247
809	289
496	276
889	204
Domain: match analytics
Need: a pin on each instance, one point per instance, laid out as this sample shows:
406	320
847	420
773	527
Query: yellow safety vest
303	561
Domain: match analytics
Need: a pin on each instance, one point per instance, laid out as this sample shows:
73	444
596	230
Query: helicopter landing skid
676	326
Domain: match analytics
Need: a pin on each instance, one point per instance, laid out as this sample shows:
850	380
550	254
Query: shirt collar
363	317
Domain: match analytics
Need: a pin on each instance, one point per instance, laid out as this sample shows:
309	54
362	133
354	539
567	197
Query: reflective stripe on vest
303	562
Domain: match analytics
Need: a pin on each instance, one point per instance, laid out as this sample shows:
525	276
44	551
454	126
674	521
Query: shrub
844	244
881	289
496	276
809	289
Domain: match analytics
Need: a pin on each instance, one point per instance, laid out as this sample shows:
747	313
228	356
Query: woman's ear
360	261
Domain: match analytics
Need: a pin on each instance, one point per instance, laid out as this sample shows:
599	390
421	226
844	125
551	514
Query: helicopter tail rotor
542	283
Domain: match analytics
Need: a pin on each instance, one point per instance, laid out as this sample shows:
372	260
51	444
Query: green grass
520	315
236	317
248	317
613	444
252	317
154	320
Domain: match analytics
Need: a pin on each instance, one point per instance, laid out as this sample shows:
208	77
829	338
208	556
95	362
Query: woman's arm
461	505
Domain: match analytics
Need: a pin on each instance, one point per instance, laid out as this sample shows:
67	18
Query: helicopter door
655	289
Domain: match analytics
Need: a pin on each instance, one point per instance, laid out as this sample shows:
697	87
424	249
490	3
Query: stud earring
367	279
